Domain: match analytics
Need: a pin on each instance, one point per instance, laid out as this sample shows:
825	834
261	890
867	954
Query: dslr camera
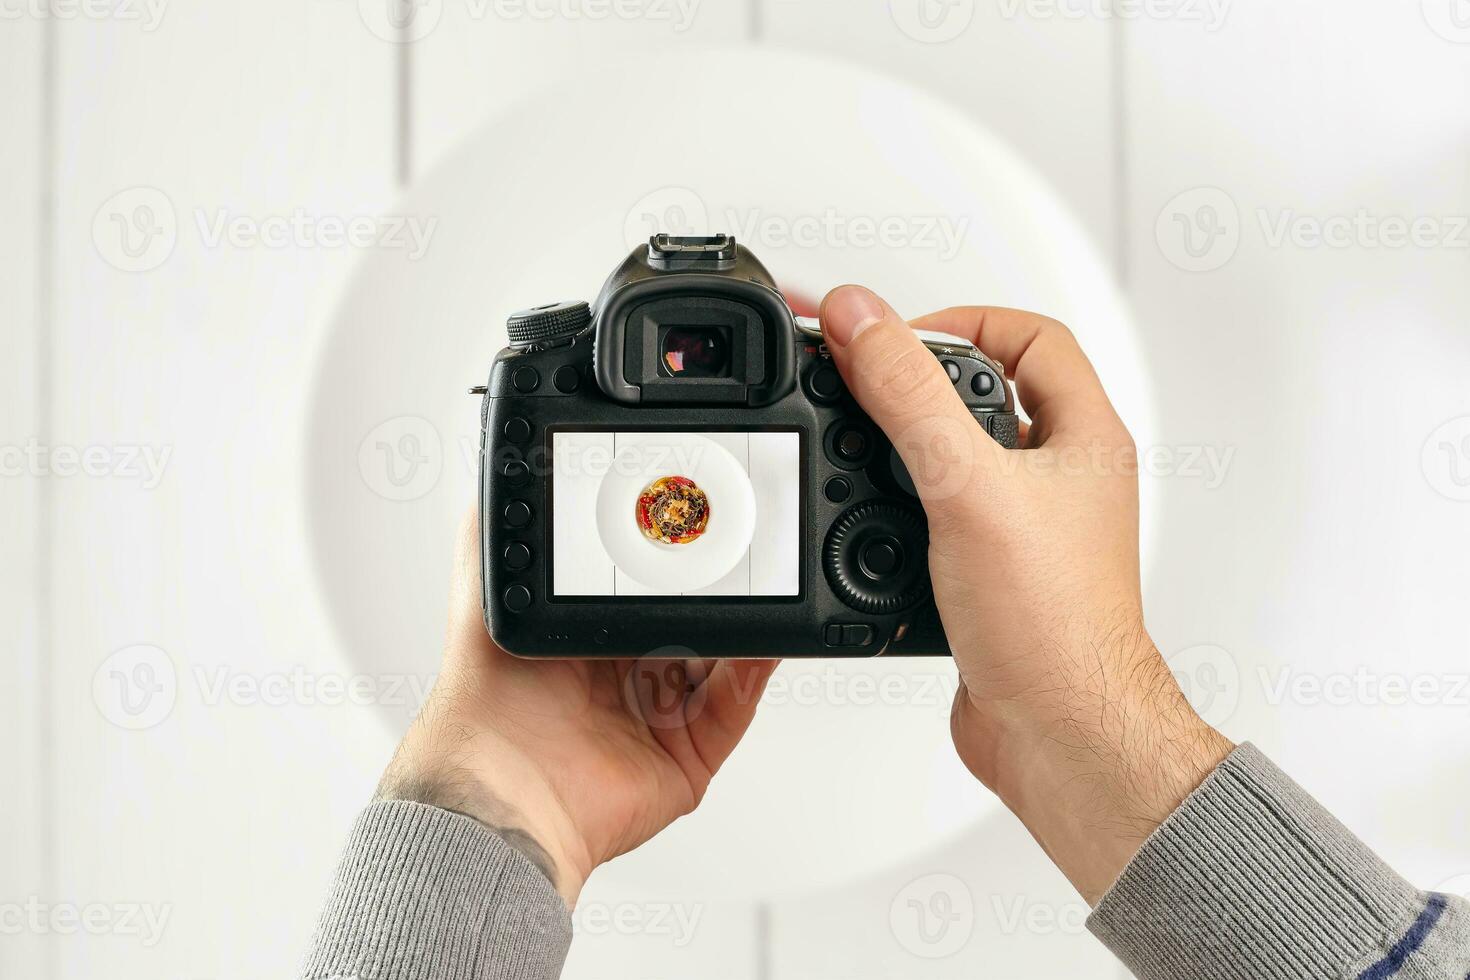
677	469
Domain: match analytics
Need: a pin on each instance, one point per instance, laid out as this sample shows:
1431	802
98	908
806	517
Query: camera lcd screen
676	513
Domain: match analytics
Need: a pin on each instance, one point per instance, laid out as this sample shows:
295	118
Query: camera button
525	379
516	473
567	379
847	634
984	384
517	430
517	556
517	598
824	384
852	444
517	513
881	557
838	489
953	370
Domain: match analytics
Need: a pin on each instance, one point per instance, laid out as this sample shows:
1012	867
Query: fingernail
849	311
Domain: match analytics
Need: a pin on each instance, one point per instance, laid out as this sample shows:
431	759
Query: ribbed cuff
1251	878
425	894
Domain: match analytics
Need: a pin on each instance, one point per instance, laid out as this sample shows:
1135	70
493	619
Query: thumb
905	390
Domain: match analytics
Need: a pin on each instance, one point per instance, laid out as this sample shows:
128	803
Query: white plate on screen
676	568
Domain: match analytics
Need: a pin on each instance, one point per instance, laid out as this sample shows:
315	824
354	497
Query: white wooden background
1336	544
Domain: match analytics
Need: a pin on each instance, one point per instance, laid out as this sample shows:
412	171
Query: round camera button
517	598
881	557
824	384
984	384
516	473
953	370
517	430
517	556
525	379
838	489
567	379
517	513
852	444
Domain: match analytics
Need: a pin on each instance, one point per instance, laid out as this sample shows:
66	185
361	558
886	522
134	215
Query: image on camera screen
662	463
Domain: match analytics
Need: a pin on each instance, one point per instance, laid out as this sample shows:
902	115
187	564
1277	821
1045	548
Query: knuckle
902	371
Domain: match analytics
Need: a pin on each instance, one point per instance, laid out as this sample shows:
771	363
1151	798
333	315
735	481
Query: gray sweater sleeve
425	894
1252	879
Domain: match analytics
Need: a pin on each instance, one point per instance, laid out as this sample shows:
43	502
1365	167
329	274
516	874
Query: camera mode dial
876	557
547	326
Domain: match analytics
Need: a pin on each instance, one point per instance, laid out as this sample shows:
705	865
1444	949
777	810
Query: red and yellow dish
673	509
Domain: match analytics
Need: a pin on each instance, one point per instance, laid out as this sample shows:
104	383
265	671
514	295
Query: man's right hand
1066	709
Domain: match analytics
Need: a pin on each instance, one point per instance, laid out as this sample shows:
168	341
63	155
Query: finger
1055	382
468	644
901	385
732	693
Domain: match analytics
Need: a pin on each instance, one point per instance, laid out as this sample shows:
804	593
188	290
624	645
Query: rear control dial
875	557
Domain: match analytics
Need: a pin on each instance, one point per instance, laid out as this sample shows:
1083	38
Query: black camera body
690	350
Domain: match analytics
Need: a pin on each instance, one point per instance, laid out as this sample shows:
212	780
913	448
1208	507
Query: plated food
673	509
